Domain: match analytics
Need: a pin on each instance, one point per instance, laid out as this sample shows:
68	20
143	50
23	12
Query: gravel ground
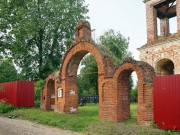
24	127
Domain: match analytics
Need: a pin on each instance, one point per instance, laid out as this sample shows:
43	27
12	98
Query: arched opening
124	89
68	103
87	81
72	75
145	74
83	45
133	96
164	67
50	95
128	98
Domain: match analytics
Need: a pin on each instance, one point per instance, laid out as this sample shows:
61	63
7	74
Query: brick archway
113	84
69	66
51	93
47	99
145	74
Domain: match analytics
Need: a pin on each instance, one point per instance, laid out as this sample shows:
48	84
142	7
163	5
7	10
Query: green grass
133	110
87	121
74	122
133	114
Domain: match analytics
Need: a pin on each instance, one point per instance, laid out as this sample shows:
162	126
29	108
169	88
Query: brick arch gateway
145	74
113	86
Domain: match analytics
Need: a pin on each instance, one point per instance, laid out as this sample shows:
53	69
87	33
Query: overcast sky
126	16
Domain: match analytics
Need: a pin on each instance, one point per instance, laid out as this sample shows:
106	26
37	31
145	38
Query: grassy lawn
75	122
86	121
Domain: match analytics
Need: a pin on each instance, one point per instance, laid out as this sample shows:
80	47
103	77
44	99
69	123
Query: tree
117	45
8	72
134	94
88	81
38	32
37	92
118	50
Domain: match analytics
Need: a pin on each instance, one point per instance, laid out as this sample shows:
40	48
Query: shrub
4	107
38	87
37	103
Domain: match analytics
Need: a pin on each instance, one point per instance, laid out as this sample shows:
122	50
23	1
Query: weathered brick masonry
113	84
162	51
145	74
47	92
47	97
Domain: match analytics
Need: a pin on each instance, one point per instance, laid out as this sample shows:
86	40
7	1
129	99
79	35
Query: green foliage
88	80
169	132
92	91
83	93
38	87
8	71
37	103
118	50
4	107
37	33
117	45
134	94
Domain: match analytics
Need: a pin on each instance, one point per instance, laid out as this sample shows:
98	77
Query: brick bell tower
162	51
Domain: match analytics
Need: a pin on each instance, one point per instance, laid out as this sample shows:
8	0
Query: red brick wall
113	84
151	20
49	88
164	27
145	75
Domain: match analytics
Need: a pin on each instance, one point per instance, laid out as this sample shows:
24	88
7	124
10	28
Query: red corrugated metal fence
167	101
18	93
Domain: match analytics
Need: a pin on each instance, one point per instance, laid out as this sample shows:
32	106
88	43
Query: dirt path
24	127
